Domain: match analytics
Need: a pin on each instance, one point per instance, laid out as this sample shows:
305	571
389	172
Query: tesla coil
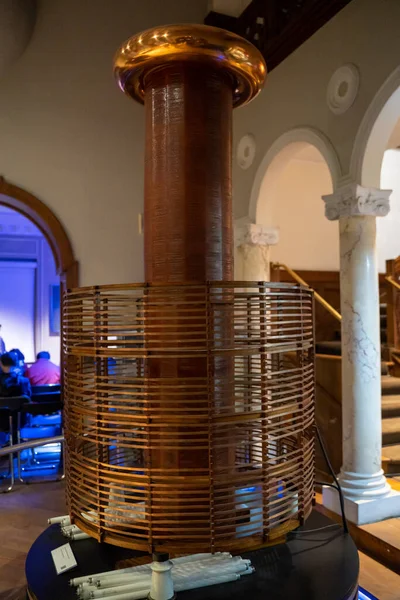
190	397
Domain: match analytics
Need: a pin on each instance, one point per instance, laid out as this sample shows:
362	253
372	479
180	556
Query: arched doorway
376	161
44	219
299	168
299	135
375	133
289	197
36	211
376	164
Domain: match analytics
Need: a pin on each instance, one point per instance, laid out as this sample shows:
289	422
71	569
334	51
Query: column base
359	486
364	510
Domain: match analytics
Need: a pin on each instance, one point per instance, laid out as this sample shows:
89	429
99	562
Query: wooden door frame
46	221
36	211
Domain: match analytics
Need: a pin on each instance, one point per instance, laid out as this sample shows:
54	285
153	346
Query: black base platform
317	565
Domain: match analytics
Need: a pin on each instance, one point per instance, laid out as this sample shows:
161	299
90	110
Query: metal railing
30	444
317	296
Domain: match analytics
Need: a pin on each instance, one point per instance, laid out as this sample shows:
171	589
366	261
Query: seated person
21	361
43	371
12	383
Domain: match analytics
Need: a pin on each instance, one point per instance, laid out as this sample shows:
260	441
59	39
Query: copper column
188	199
189	77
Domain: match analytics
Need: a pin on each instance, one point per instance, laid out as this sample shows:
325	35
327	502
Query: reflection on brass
218	48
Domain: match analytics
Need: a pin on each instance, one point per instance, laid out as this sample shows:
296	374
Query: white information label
63	559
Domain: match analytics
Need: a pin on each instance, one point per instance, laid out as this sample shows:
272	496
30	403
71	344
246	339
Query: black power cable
337	486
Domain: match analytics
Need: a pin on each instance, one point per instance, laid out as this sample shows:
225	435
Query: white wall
233	8
72	138
17	18
366	33
388	228
69	136
290	199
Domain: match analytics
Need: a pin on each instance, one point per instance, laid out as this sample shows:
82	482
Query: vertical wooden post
393	304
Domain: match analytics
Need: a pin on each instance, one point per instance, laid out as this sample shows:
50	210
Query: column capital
246	232
353	200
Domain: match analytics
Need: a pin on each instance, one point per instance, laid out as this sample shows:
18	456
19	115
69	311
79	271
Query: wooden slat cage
189	413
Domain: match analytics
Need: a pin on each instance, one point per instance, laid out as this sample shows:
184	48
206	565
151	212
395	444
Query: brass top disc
184	43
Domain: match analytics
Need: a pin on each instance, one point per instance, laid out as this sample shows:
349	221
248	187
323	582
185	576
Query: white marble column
252	250
368	495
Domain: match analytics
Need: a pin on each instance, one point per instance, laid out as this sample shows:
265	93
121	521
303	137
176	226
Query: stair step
390	385
390	406
386	354
332	348
383	309
391	431
338	335
391	459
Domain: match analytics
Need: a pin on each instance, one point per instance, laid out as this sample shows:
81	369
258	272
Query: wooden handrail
390	279
317	296
392	299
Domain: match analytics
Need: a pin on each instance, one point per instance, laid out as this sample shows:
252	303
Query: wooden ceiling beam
279	27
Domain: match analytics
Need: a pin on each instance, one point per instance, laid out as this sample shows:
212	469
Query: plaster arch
36	211
374	133
286	145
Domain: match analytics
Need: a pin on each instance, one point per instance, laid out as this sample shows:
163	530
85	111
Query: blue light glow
364	595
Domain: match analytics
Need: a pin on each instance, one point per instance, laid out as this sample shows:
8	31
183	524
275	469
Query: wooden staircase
329	414
391	425
328	360
379	540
